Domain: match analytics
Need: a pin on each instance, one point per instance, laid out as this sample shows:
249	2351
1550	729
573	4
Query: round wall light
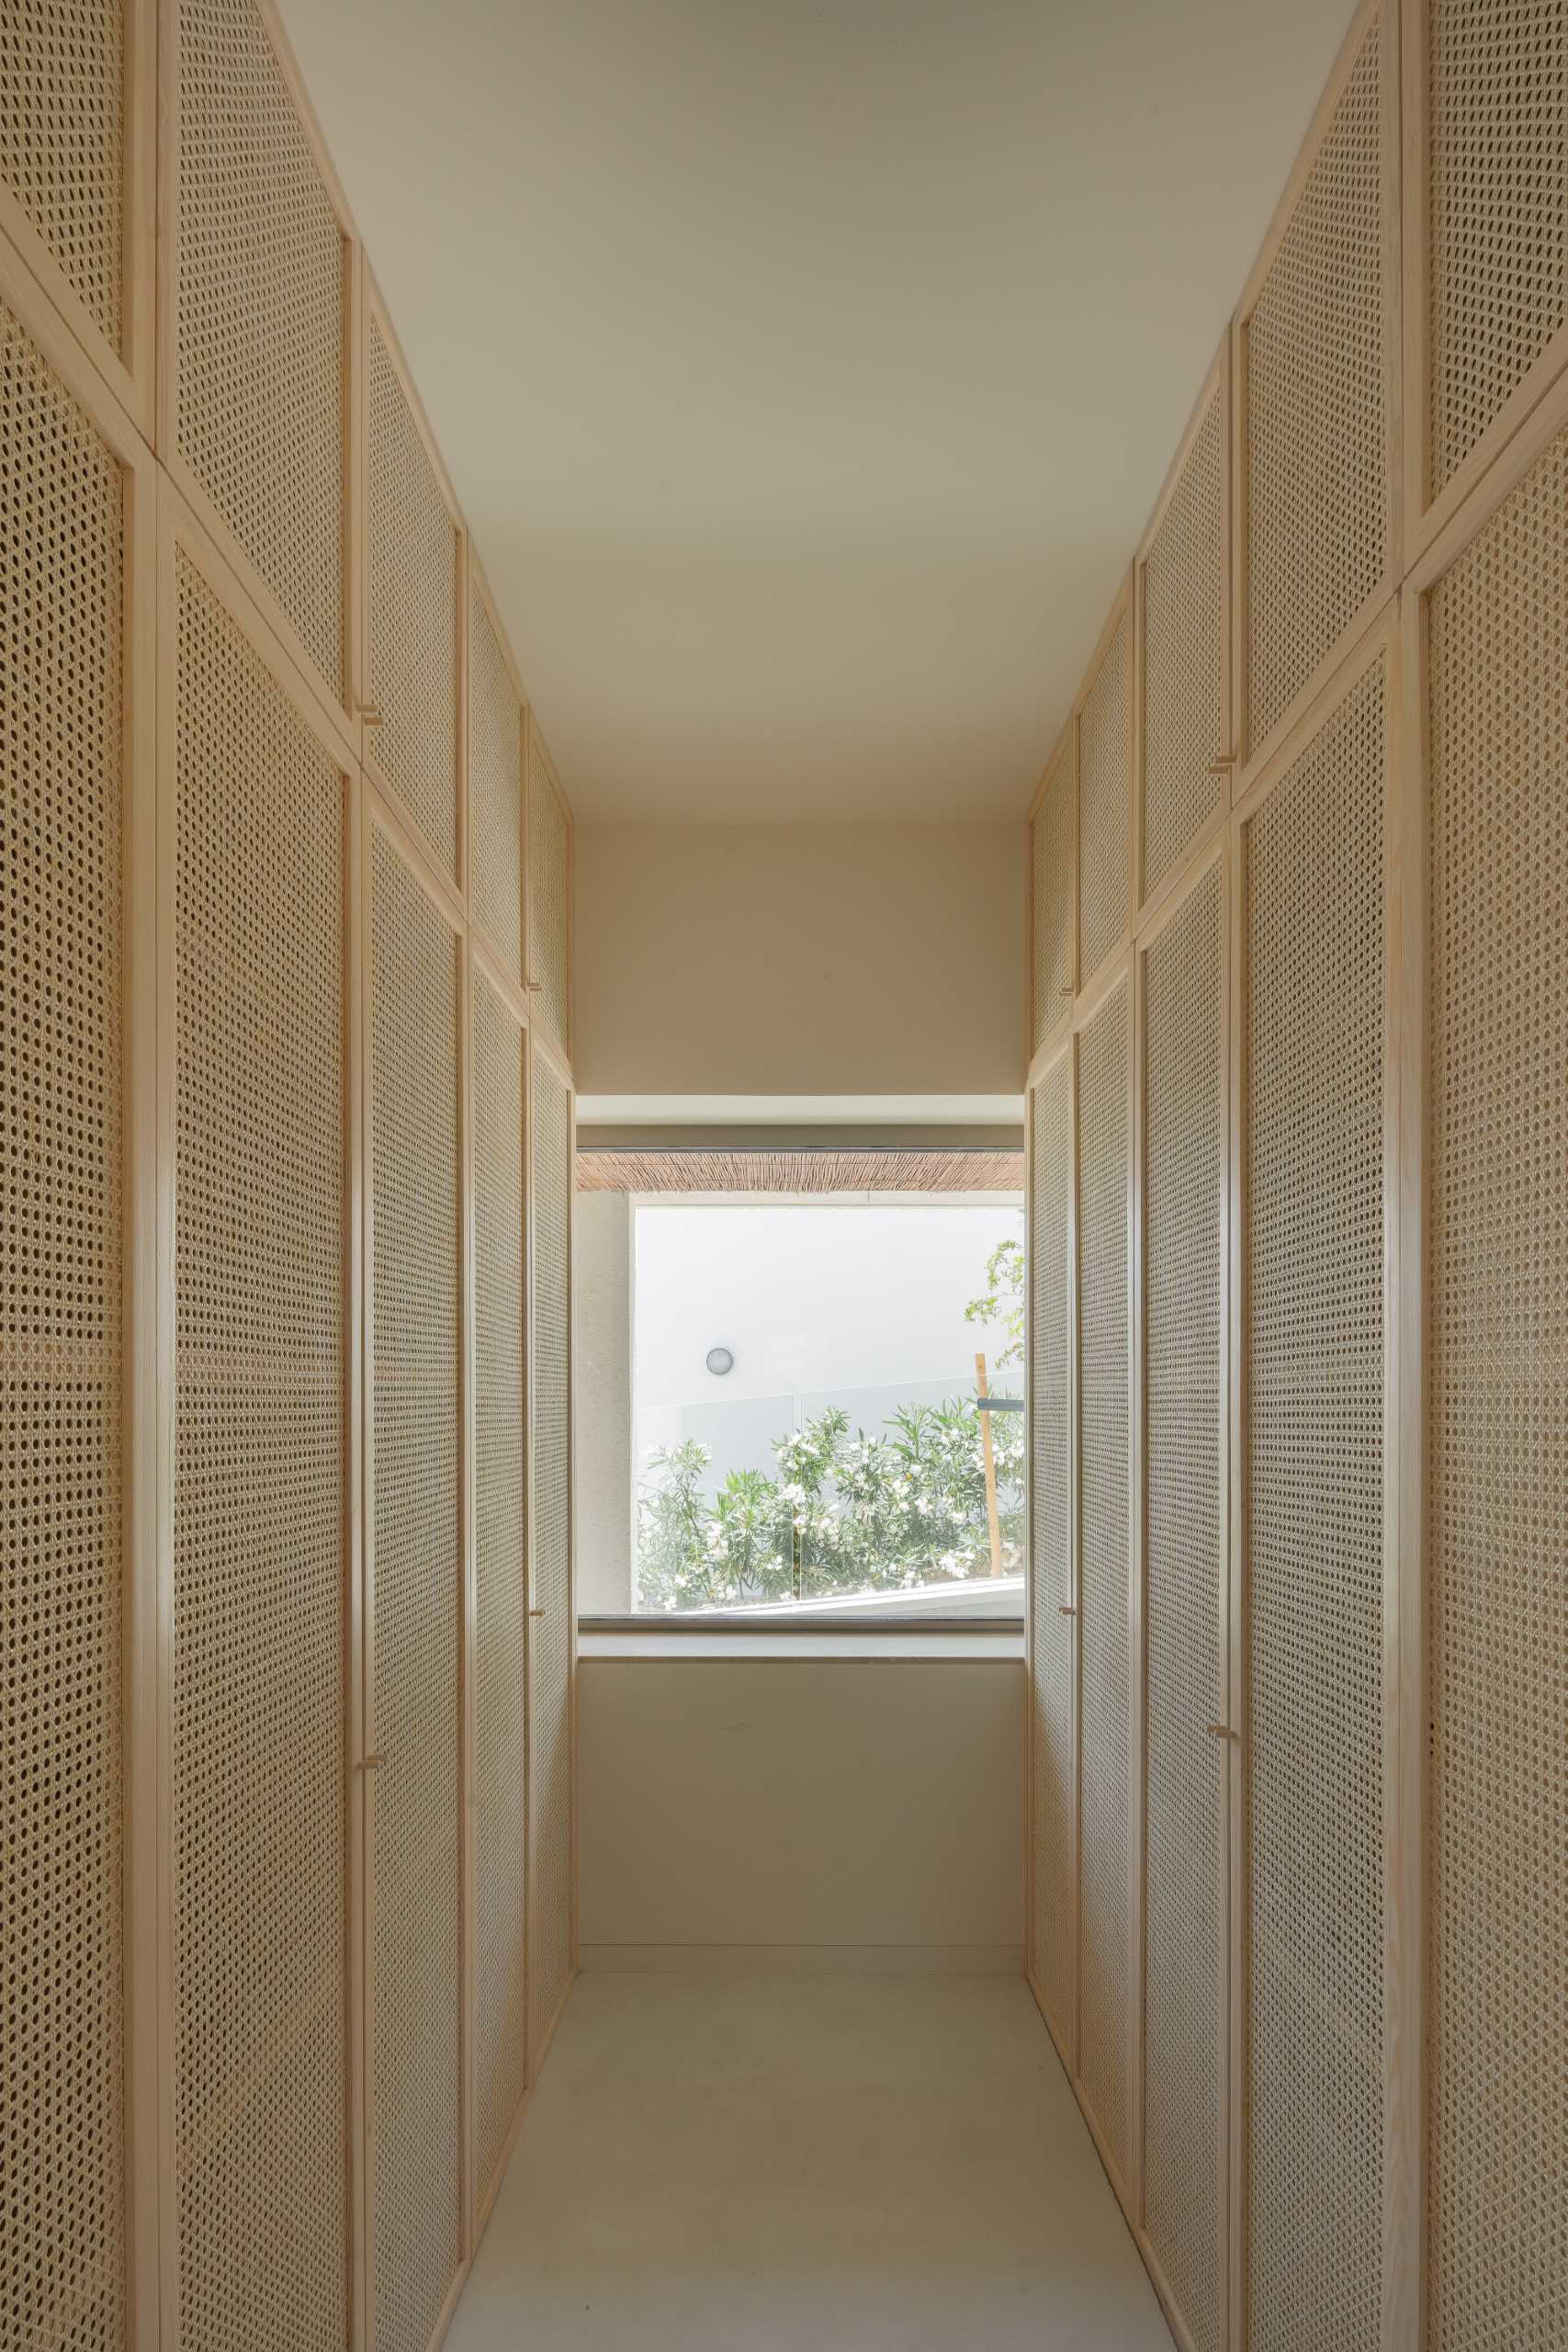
720	1361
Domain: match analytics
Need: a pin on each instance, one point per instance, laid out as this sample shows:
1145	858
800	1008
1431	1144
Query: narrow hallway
778	2160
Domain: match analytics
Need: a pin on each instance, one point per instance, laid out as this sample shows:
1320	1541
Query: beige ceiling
807	368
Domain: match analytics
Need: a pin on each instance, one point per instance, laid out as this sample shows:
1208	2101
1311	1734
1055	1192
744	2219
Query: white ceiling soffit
807	373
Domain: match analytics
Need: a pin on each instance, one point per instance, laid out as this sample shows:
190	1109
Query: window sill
911	1637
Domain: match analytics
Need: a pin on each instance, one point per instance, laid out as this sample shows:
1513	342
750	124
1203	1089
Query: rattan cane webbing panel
1104	777
62	139
1105	1956
1053	1806
1318	525
1497	220
1314	1173
1497	1431
261	319
549	1661
1051	852
1185	1917
1186	724
500	1575
260	1573
417	1602
549	898
62	1791
495	789
413	592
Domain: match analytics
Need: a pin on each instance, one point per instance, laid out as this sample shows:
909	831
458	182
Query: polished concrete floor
824	2162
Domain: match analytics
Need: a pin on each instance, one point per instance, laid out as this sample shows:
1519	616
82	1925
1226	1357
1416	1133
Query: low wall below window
863	1811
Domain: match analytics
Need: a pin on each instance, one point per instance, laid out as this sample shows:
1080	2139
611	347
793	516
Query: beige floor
778	2163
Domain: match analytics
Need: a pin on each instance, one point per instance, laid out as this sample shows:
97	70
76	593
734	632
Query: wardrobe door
552	1927
1052	1765
501	1584
415	1610
412	557
1315	1459
260	1565
1496	820
548	867
1052	899
1106	1960
1186	1820
67	791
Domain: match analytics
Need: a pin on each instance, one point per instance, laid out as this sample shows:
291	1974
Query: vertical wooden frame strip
1099	703
126	363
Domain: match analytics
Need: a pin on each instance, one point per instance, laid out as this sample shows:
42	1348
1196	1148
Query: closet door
261	1571
1187	1568
551	1924
1107	1974
415	1610
1494	818
1053	1646
1315	1558
75	1092
548	867
501	1583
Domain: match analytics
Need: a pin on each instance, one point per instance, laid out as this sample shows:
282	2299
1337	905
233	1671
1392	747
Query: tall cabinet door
1052	1676
551	1925
261	1575
500	1582
1107	1971
414	1610
74	1090
1314	1322
1186	1568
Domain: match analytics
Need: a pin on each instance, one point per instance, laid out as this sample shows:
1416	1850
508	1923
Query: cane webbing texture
417	1604
1053	1806
62	139
1314	1169
1051	852
62	1791
413	593
260	1575
549	897
1497	218
1186	724
501	1738
1497	1430
261	319
1184	2124
1104	745
495	790
1317	528
1105	1954
550	1657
